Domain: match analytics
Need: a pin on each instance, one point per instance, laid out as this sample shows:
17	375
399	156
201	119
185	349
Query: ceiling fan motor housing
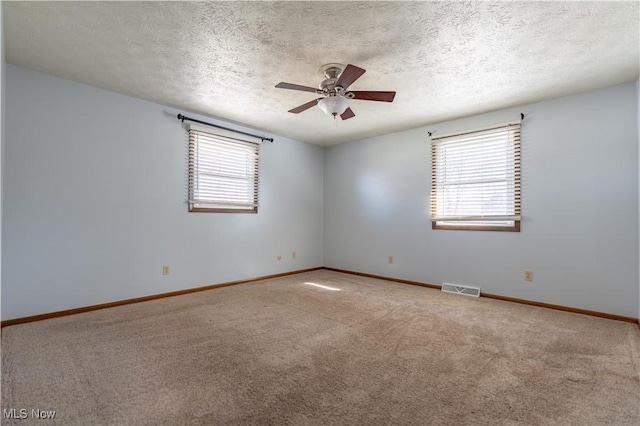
332	72
328	84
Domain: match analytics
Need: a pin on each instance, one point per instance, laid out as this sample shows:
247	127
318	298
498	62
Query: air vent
461	289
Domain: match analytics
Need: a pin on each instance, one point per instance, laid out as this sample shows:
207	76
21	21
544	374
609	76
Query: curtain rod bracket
262	138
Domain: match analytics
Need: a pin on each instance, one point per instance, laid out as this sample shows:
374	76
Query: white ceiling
445	59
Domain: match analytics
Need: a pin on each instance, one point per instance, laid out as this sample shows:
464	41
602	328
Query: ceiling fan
334	87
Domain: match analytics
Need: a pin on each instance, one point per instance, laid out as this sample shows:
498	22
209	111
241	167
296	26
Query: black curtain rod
182	117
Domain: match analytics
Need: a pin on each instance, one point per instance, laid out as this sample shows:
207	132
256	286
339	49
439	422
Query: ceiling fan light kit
333	105
334	87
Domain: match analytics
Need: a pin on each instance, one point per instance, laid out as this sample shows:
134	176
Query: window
475	179
223	173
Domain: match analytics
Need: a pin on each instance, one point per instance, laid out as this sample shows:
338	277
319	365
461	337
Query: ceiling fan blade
304	107
290	86
347	114
369	95
350	74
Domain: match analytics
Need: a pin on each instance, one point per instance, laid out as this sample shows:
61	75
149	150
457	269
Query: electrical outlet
390	260
166	270
293	255
528	275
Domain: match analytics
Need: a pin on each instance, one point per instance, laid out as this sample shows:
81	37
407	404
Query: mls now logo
23	413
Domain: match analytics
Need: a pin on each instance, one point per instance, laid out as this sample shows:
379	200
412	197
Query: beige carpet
284	351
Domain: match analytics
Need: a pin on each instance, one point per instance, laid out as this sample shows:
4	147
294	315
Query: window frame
228	138
514	129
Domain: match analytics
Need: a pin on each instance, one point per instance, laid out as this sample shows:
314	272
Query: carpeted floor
285	351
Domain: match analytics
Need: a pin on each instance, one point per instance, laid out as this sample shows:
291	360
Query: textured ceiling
445	59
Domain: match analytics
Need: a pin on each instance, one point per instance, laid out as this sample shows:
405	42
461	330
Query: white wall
95	189
2	86
95	202
580	205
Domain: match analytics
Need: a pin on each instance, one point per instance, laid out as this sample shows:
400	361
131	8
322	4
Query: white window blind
223	173
475	177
